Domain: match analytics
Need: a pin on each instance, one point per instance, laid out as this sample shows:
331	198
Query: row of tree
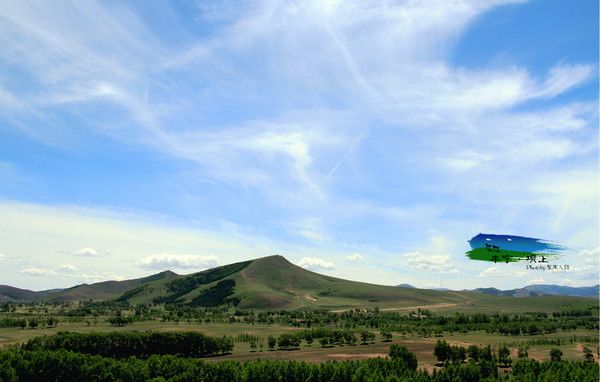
326	337
451	354
32	322
422	322
128	344
62	365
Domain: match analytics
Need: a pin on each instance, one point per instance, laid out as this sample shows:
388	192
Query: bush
401	352
555	354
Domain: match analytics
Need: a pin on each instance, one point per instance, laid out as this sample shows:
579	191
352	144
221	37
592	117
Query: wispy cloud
439	264
355	257
315	264
33	271
87	252
345	122
166	261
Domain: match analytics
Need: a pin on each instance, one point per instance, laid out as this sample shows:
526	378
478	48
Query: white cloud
166	261
590	256
70	272
67	269
363	50
315	264
379	73
34	271
535	281
440	264
354	257
87	252
434	258
89	92
492	272
564	77
95	277
312	235
506	272
465	160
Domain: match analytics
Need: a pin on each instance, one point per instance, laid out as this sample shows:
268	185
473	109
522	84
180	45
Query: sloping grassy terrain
272	283
9	293
106	290
275	283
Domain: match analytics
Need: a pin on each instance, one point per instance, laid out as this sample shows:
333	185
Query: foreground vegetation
62	365
119	340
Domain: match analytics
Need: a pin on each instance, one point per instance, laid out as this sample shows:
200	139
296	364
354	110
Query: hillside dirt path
299	297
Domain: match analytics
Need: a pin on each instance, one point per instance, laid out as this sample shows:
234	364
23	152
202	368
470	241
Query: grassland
276	294
422	347
272	283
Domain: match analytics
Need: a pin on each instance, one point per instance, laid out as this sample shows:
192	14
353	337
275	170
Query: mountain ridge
270	282
543	290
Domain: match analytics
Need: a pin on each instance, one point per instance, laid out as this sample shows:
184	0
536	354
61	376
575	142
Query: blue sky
366	140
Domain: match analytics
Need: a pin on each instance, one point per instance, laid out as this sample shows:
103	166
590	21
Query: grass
273	283
423	347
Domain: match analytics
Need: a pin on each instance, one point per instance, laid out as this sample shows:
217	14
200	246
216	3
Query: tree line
62	365
134	344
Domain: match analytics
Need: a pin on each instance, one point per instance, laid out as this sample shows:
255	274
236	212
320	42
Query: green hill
10	294
272	283
106	290
275	283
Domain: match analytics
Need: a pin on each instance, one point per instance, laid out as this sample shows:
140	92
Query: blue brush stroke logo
511	248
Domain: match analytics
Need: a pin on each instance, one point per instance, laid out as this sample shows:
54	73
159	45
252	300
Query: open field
270	309
422	347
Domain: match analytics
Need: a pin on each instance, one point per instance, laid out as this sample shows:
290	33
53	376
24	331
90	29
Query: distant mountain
106	290
406	286
10	294
274	283
543	290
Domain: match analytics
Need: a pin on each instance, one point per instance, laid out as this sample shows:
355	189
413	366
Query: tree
350	338
119	320
556	354
51	321
473	352
588	355
309	338
486	353
324	341
402	353
364	337
504	355
523	352
288	341
33	323
271	341
387	336
442	351
252	346
458	354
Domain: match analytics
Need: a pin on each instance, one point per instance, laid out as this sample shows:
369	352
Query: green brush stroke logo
509	249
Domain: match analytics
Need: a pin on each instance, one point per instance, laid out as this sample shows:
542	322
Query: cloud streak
165	261
329	122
